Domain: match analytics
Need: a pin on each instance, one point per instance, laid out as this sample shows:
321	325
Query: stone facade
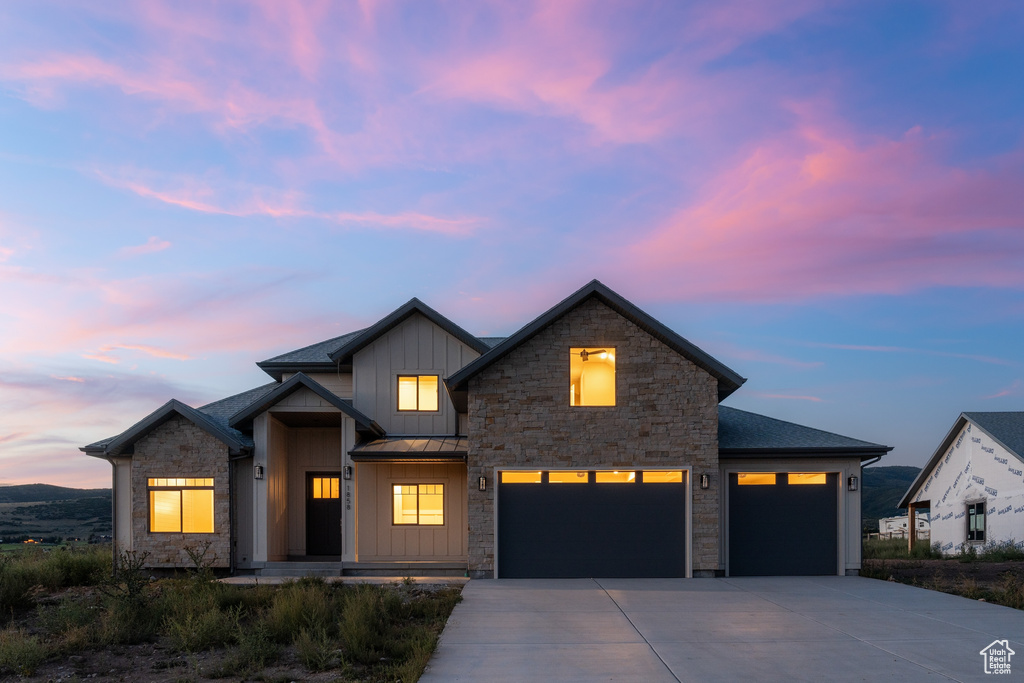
666	414
179	448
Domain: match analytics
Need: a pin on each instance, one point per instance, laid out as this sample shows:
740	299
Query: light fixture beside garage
852	484
257	472
705	482
483	483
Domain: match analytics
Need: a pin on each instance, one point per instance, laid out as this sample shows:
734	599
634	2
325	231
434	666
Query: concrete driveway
758	629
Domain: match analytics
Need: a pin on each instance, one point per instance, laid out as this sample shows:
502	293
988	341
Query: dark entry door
781	527
632	530
323	513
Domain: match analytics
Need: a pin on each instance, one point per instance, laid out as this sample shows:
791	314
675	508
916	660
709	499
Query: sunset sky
826	196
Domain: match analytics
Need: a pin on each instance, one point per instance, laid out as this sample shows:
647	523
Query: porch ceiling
309	419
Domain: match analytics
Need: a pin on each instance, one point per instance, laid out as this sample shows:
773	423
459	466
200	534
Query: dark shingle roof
744	433
492	341
343	354
309	358
217	412
728	380
1006	428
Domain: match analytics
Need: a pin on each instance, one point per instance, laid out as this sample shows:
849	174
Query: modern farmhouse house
973	484
590	443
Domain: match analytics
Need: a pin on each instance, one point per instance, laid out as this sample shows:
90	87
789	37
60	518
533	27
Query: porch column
911	526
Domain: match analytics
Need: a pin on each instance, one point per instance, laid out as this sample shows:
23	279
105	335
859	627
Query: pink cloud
5	253
152	245
68	379
1011	390
902	349
822	212
196	196
731	350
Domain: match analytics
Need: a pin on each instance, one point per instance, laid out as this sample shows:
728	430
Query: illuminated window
326	487
567	477
417	393
183	505
516	477
976	521
418	504
806	478
592	376
662	477
756	478
616	477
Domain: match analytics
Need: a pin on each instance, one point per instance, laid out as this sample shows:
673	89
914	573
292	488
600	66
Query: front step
300	569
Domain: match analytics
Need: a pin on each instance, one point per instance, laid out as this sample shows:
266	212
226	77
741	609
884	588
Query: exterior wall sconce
257	472
483	483
346	472
852	483
705	482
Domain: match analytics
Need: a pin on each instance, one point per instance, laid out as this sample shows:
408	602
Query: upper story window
592	376
417	393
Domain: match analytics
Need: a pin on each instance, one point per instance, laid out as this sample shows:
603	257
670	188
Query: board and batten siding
339	384
277	490
122	504
309	450
974	469
242	515
415	346
381	541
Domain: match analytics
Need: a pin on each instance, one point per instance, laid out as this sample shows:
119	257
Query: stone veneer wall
178	448
666	414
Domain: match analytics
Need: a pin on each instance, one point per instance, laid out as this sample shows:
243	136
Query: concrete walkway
755	629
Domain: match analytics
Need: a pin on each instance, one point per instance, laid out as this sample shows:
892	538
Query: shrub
1003	551
364	623
896	548
21	653
316	649
79	567
15	581
301	604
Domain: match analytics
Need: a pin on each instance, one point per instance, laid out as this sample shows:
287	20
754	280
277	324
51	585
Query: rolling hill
881	490
53	512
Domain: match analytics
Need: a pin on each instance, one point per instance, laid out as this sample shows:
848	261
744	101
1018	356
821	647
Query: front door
323	513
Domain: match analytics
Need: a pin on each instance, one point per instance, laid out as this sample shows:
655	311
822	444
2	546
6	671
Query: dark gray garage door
594	528
783	524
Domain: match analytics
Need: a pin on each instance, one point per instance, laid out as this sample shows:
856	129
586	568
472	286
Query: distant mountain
44	493
881	490
53	513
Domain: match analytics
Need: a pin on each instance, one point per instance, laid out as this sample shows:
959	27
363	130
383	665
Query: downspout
870	462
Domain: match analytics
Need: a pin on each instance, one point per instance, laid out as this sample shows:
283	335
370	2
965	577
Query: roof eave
865	453
277	370
923	474
393	319
728	380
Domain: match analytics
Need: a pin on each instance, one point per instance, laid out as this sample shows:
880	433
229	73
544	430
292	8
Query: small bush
128	621
302	604
1003	551
896	549
195	630
255	650
15	582
316	649
21	653
80	567
364	623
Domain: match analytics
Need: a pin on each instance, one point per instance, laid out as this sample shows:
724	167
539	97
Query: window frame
979	508
417	376
152	489
609	349
417	485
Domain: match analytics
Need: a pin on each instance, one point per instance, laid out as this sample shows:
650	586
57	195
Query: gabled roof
1005	428
728	380
745	434
124	443
244	417
312	358
343	354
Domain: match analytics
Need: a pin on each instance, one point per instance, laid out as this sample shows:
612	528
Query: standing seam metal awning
412	449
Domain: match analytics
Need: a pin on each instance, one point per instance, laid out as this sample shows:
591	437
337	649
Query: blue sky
826	196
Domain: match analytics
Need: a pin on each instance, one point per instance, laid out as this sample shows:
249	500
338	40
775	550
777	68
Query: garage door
600	524
783	524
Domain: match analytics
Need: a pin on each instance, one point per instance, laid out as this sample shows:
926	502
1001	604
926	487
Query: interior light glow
756	478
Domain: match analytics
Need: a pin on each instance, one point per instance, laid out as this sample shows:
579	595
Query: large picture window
976	521
417	393
183	505
418	504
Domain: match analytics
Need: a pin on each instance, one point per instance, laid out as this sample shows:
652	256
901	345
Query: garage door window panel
615	477
806	478
756	478
662	477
